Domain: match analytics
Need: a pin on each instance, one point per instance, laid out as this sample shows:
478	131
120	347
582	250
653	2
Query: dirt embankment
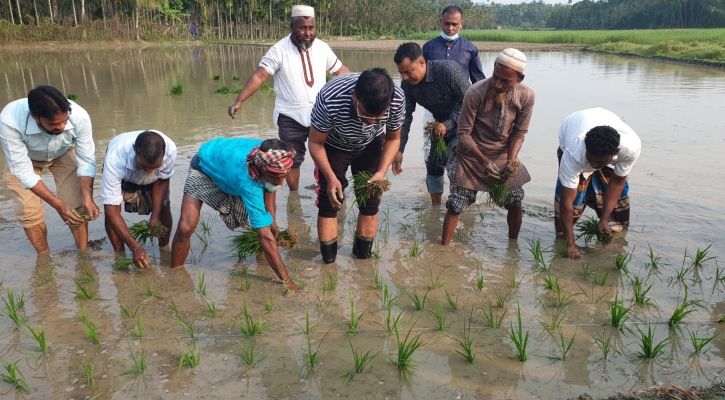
392	45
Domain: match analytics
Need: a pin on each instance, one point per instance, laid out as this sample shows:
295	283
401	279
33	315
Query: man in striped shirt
356	122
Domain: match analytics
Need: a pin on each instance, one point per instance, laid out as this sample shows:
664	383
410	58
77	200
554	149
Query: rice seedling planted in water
124	263
479	280
440	149
538	251
312	358
189	327
684	309
245	284
211	311
415	251
463	341
490	319
269	306
354	319
417	302
601	279
501	300
360	360
150	289
13	304
189	358
174	309
139	365
308	328
618	312
623	259
699	343
557	319
701	257
215	77
177	90
14	376
82	292
439	314
137	332
38	336
404	359
518	338
331	283
88	275
200	283
589	230
363	189
563	345
640	293
248	326
434	282
655	261
247	354
453	303
90	329
223	90
392	321
88	370
552	284
647	346
377	280
560	249
387	300
604	341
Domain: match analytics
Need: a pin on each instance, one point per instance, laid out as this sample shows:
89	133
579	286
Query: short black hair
150	146
274	144
410	50
375	90
452	10
294	20
47	102
602	141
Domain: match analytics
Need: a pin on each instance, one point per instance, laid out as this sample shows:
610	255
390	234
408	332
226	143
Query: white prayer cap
513	59
303	11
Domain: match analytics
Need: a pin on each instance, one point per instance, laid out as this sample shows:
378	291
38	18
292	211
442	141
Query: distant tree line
612	14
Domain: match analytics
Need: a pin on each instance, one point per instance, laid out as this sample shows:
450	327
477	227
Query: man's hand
234	109
379	176
603	225
91	209
69	215
290	286
440	132
398	164
572	251
140	257
335	192
154	221
275	230
490	169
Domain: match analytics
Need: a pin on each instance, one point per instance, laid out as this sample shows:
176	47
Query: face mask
270	187
449	38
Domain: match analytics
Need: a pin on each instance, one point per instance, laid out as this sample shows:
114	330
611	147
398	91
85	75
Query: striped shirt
334	114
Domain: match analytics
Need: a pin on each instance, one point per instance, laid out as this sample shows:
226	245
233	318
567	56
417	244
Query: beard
301	44
496	96
270	187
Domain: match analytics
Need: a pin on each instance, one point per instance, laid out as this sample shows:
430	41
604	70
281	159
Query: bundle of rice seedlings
83	214
364	189
440	149
247	243
510	169
497	192
140	231
589	229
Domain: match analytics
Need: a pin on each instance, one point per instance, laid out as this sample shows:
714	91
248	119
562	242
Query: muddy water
676	188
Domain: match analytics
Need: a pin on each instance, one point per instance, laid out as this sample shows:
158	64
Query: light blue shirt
225	162
120	165
23	140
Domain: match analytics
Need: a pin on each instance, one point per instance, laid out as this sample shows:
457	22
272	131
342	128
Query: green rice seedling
721	320
417	302
129	313
137	332
247	355
387	300
719	274
203	239
312	358
586	271
647	346
453	303
363	189
269	306
245	284
434	282
189	327
90	329
406	348
497	192
223	90
44	279
512	283
552	284
623	259
13	305
354	319
640	293
561	301
211	311
618	312
439	314
205	226
479	280
377	280
139	365
557	319
559	249
440	149
82	291
701	257
72	96
589	230
601	279
235	78
604	341
189	358
323	302
88	275
415	251
490	319
248	326
14	376
392	322
140	232
563	345
200	283
174	309
265	88
38	336
88	370
538	251
463	341
684	309
699	343
150	289
655	261
481	213
124	263
360	360
248	244
518	338
177	90
501	300
331	283
215	77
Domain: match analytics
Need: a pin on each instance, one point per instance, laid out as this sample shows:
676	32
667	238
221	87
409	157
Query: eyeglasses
375	121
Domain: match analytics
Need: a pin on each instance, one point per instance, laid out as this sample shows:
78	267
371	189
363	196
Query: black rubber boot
362	247
329	251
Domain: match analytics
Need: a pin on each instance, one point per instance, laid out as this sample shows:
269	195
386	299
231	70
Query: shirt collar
33	128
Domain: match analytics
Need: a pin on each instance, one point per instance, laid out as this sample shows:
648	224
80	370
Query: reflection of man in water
597	151
356	124
136	173
46	130
239	178
449	46
494	120
439	86
300	64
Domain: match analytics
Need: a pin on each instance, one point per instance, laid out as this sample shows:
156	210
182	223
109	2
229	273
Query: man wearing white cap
300	65
494	120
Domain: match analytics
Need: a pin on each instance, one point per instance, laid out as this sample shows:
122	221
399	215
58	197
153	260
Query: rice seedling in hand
150	289
387	300
434	282
141	232
189	358
552	284
13	305
137	332
623	259
14	376
360	360
518	338
72	96
440	149
247	355
392	321
354	319
699	343
312	358
82	292
406	348
177	90
589	229
439	315
701	257
38	336
640	293
538	251
200	283
363	189
490	319
647	346
124	263
248	244
377	279
655	261
618	312
88	371
288	239
684	309
139	365
417	302
463	341
248	326
497	192
223	90
453	303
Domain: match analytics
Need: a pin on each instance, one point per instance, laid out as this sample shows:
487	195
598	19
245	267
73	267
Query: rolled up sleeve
271	62
569	171
85	150
16	156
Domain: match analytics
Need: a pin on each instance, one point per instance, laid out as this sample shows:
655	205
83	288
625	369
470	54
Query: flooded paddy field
482	281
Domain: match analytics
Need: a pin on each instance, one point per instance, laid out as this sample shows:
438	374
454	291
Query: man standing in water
136	173
439	86
494	120
239	178
299	64
356	123
597	152
46	130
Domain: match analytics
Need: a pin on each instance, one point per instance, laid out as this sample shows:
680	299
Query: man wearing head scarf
300	64
494	120
237	177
